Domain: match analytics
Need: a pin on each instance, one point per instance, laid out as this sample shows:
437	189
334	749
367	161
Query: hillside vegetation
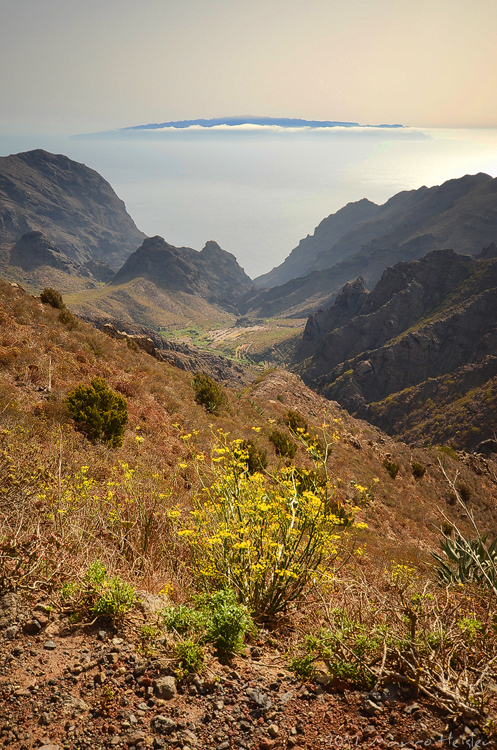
84	525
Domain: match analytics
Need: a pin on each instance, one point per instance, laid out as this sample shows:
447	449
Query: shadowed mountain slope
70	203
460	214
417	355
212	274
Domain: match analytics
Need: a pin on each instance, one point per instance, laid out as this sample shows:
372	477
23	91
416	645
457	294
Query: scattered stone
165	687
273	730
261	700
32	627
371	708
49	645
11	632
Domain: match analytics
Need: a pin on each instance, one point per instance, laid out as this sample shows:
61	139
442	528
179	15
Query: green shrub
227	621
208	393
190	657
52	297
115	598
68	319
282	445
295	422
99	412
391	467
343	651
98	595
260	534
256	458
418	470
107	597
464	491
215	618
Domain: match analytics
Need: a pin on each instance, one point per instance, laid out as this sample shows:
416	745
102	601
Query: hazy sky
77	66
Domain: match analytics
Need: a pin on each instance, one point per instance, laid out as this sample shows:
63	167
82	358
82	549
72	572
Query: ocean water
258	193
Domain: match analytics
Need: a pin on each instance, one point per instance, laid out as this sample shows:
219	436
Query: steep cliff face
420	329
302	259
71	204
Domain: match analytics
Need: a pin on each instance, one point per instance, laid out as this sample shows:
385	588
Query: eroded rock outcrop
423	340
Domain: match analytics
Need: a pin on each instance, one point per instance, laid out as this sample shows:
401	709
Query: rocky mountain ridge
460	214
427	321
212	273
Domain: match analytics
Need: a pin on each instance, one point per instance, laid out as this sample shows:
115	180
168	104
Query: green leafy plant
467	560
99	412
391	467
107	597
227	621
52	297
262	535
190	656
282	444
215	618
208	393
98	595
303	666
256	457
418	469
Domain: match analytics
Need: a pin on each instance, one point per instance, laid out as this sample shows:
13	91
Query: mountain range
362	239
401	330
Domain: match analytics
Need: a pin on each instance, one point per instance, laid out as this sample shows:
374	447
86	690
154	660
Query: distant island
237	124
281	122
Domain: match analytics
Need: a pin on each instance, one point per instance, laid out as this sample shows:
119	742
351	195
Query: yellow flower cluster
267	537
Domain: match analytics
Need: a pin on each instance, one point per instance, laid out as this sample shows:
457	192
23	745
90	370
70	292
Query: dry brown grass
132	534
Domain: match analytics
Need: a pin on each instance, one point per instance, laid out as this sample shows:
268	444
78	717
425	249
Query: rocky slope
67	682
70	689
460	214
405	354
70	203
212	274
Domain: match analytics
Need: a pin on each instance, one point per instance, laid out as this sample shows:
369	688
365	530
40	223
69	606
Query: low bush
215	618
418	470
295	421
391	467
263	535
50	296
98	595
256	457
99	412
68	319
208	393
282	444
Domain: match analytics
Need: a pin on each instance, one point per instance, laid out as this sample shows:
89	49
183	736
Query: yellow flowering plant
269	537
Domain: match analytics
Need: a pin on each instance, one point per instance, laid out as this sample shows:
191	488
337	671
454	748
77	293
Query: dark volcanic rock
71	203
422	339
34	249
